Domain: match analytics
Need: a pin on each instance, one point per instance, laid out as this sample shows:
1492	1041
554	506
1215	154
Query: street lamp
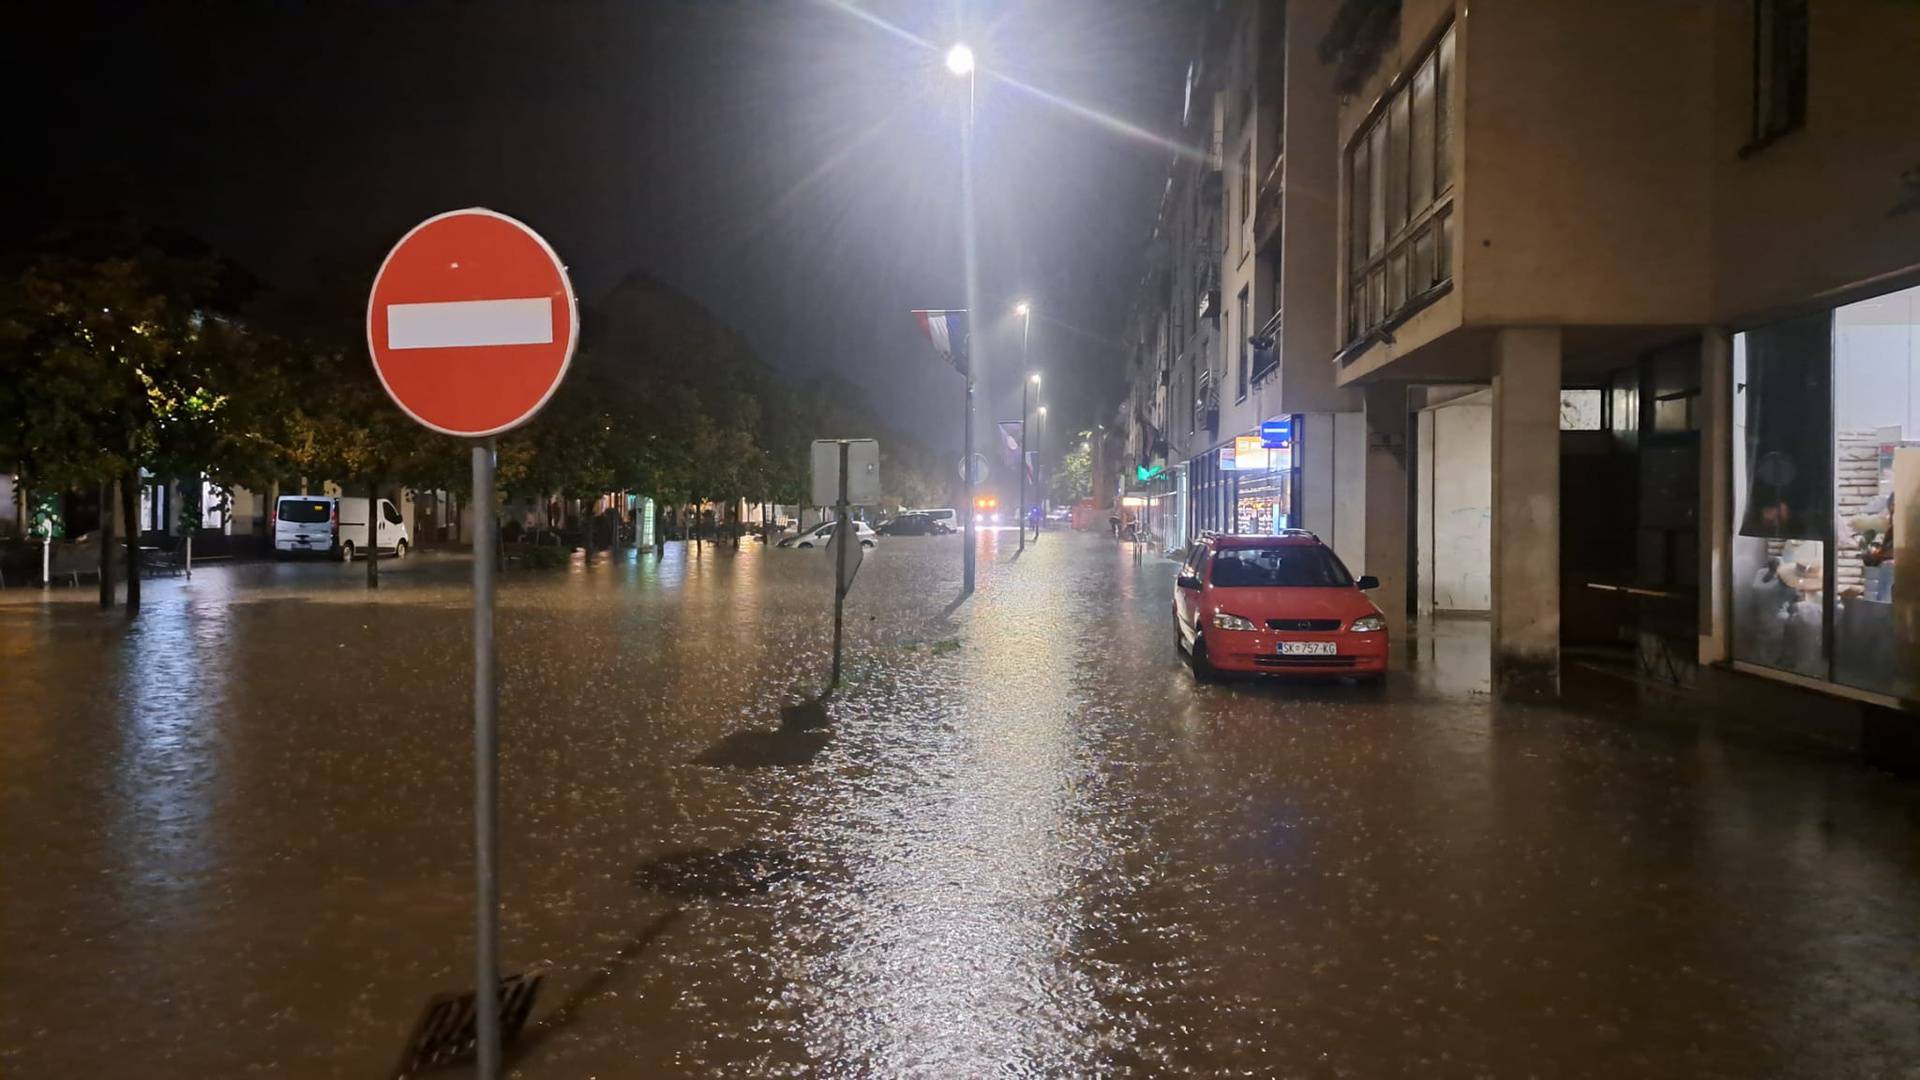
1025	311
960	62
1039	454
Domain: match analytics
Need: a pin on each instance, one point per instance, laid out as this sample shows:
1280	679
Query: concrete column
1716	492
1386	502
1526	513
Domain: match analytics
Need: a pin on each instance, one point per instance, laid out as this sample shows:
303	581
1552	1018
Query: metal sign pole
841	541
966	508
486	771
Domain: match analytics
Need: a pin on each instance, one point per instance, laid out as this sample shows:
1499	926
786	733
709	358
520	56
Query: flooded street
237	840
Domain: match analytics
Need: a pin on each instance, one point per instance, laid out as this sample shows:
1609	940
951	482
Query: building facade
1598	321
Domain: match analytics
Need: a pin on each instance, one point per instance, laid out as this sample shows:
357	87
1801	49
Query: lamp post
960	63
1039	452
1025	311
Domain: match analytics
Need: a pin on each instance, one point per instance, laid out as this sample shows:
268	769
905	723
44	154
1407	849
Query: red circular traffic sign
471	323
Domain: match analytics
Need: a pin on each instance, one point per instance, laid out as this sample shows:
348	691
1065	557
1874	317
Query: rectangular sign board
863	471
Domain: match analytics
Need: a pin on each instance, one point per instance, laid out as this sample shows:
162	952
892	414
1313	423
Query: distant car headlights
1224	621
1368	624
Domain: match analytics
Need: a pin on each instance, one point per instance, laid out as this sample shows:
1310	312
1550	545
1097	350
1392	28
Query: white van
943	514
324	524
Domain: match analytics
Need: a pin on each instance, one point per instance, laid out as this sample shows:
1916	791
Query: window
1826	457
1246	193
1400	197
1292	566
1580	410
305	511
1241	346
1779	68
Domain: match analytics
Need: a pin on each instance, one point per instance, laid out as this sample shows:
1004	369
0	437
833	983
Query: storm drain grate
445	1034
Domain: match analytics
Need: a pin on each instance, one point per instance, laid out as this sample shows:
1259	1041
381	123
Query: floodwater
234	840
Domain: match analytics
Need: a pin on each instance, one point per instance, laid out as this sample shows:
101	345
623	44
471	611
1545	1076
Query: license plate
1306	648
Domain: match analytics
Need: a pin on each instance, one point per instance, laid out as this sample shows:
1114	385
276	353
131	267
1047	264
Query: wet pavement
235	840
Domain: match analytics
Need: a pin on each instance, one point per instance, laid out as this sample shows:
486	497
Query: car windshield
303	511
1300	566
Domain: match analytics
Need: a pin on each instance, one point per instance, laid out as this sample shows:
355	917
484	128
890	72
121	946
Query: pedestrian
1033	518
1113	523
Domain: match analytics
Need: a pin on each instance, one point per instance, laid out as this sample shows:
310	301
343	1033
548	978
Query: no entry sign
471	323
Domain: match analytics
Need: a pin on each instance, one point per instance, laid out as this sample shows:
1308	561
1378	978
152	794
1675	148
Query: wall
1350	487
1455	505
1310	221
1862	133
1585	135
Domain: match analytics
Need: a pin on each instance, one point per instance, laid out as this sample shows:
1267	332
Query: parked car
945	515
1276	605
821	533
333	526
912	525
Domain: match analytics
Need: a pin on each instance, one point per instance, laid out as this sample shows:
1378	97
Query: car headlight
1226	621
1368	624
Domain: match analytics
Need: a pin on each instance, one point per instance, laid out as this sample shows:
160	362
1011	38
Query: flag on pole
1010	441
947	332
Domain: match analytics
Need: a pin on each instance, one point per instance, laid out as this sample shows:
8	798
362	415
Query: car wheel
866	543
346	551
806	543
1203	670
400	550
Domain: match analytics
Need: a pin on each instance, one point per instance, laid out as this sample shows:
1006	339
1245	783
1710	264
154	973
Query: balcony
1206	404
1266	347
1268	203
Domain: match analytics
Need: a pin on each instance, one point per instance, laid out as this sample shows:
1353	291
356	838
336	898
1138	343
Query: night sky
789	164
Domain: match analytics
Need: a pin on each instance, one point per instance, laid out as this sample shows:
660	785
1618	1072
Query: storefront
1210	492
1266	482
1826	497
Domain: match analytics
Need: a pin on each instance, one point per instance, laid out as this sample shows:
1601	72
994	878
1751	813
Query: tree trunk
130	513
273	511
373	533
109	496
586	529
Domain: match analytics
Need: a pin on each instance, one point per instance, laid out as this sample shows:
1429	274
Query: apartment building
1679	244
1239	426
1600	322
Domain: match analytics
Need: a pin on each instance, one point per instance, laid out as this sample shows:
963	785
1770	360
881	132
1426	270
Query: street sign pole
471	325
486	770
1022	514
966	508
841	542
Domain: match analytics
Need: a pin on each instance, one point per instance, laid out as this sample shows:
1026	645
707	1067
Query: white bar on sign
458	323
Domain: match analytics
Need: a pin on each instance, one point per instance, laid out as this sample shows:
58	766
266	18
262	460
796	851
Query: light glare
960	60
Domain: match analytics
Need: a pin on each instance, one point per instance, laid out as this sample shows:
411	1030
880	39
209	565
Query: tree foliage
122	355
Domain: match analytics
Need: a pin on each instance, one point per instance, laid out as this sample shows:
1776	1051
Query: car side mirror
1368	581
1187	581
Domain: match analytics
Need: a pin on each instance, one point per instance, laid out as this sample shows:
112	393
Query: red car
1276	604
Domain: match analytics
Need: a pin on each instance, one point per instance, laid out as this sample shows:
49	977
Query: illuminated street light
1022	308
1034	378
960	60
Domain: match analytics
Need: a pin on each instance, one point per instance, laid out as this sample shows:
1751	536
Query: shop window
1876	485
1826	479
1783	494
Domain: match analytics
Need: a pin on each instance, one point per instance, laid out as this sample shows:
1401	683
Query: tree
112	366
1073	480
